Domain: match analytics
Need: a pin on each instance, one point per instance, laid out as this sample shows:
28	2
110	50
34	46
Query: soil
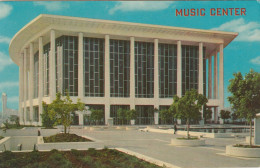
65	138
246	146
91	158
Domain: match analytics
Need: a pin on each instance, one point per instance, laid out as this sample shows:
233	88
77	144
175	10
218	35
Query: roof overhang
44	23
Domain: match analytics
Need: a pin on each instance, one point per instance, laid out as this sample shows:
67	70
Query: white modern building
111	65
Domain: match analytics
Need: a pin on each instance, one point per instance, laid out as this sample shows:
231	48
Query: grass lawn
1	137
105	158
65	138
246	146
191	138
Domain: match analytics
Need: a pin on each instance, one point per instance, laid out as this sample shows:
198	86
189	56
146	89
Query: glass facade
190	68
145	114
36	114
87	119
93	54
67	61
28	118
36	75
167	70
114	113
144	70
46	53
119	68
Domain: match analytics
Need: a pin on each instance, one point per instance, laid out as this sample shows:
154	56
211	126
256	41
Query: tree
224	114
121	114
188	107
234	116
245	96
207	114
47	121
13	118
96	115
165	114
61	110
131	115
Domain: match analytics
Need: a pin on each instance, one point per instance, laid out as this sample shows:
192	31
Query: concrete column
40	95
107	78
215	115
31	81
80	68
210	77
200	87
81	118
216	75
52	69
156	78
200	68
25	83
221	77
132	72
179	70
21	88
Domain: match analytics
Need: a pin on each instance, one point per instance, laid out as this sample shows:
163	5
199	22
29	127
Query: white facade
47	29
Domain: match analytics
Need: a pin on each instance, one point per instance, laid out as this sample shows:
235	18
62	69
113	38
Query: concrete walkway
157	145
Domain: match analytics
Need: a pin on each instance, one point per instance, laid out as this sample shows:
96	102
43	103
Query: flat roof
44	23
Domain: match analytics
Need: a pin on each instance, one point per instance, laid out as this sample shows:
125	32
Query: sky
241	55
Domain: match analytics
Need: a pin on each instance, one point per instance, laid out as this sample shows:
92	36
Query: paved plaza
157	146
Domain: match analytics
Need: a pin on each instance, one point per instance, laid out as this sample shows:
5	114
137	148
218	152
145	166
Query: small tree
47	121
165	114
131	115
207	114
224	114
234	116
96	115
13	118
188	107
61	109
245	96
121	114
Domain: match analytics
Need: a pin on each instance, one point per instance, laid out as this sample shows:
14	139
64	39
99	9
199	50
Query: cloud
5	39
7	85
128	6
52	6
255	60
249	31
4	61
5	10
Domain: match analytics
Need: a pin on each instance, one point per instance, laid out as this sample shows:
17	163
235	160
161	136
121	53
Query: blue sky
241	55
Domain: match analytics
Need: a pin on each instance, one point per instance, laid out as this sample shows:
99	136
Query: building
111	65
6	112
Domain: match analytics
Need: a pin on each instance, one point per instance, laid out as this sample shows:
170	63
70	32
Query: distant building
111	65
6	112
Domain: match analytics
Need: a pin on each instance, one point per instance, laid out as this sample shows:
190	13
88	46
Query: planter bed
186	142
91	158
65	138
243	151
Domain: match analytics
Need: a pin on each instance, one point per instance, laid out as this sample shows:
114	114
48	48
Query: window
144	70
93	55
167	70
119	68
